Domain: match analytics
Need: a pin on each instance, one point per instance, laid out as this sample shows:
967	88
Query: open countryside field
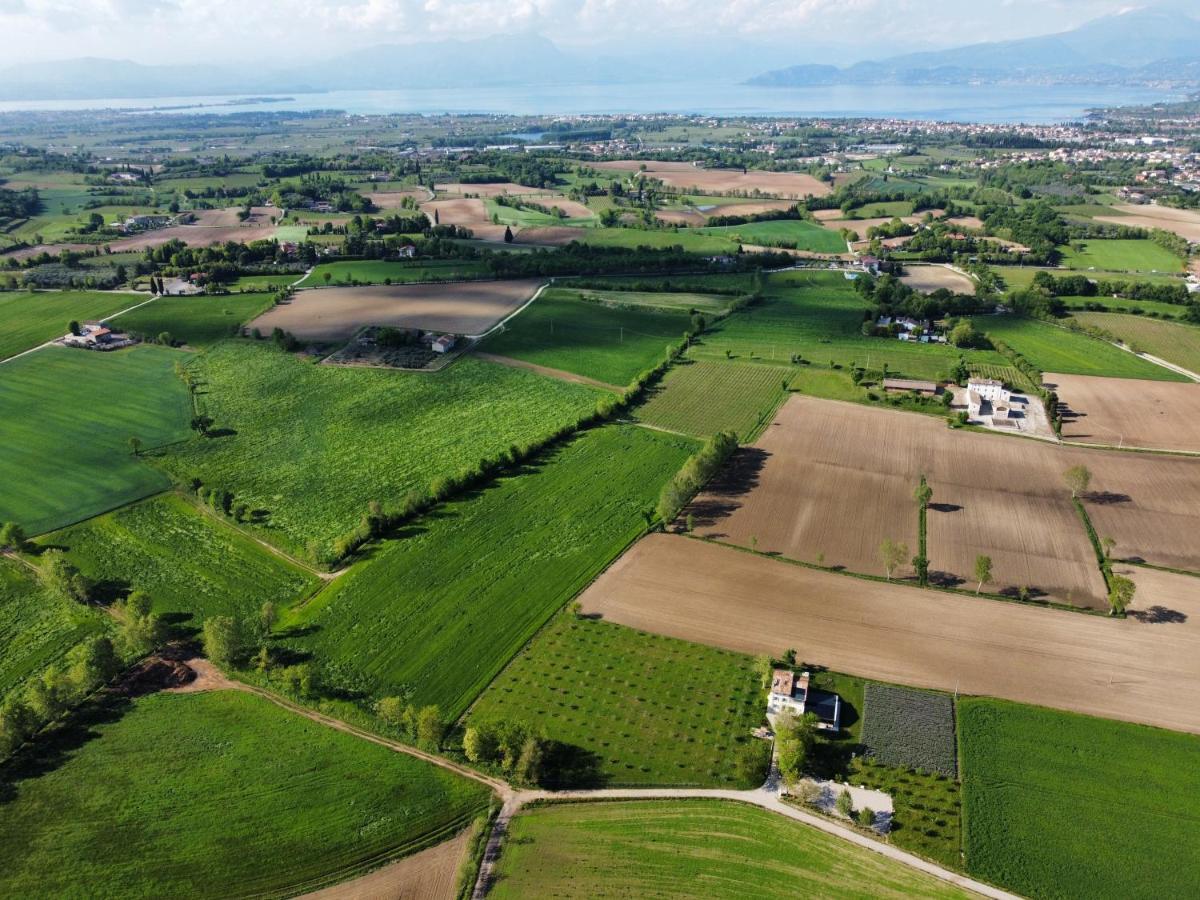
259	227
68	418
797	234
1018	278
1102	778
568	330
705	397
1122	256
1183	222
37	628
818	315
790	490
196	321
428	875
471	214
215	795
928	279
380	271
1174	342
439	613
684	176
191	564
700	591
1156	415
337	313
688	848
34	317
612	696
295	424
1054	349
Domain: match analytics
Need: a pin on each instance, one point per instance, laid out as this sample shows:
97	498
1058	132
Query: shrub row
696	472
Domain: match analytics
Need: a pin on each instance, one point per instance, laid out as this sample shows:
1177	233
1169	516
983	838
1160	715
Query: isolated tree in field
73	326
983	571
223	640
60	578
12	536
327	276
508	235
923	493
531	764
1120	594
201	424
845	804
430	728
765	668
1077	478
135	444
267	616
892	554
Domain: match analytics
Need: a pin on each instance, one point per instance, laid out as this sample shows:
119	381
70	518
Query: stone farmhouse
791	692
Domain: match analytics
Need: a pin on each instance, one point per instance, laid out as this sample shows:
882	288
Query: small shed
901	385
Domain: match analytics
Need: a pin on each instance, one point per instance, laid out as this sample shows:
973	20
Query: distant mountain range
1146	46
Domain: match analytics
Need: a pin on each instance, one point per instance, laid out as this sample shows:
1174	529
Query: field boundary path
559	374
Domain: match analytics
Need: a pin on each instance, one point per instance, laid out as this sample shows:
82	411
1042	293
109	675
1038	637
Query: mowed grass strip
215	795
794	233
1176	343
705	397
690	848
1054	349
1062	805
1122	255
36	628
198	321
33	317
562	330
314	445
382	271
191	564
644	709
437	613
68	416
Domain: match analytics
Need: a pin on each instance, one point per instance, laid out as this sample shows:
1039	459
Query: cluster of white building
990	403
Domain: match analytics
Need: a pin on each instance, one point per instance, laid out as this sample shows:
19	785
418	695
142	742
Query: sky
279	32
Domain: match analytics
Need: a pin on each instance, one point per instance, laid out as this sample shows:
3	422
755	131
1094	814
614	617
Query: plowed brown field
428	875
699	591
467	213
469	308
1159	415
685	176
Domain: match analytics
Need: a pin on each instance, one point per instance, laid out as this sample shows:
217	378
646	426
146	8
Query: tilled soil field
469	308
1158	415
928	279
684	176
700	591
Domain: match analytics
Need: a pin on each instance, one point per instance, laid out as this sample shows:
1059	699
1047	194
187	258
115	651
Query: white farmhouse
790	692
989	402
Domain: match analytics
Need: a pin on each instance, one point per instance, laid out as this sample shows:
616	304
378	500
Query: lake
1040	104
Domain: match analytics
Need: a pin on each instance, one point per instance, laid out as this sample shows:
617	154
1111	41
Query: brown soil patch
836	479
966	221
1159	415
716	595
428	875
684	176
53	249
469	308
257	227
1163	597
681	217
928	279
395	199
1183	222
495	189
466	213
550	236
860	226
205	676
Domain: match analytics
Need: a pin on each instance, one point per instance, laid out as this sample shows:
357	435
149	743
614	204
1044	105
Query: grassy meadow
1175	342
68	417
1054	349
197	321
1062	805
1122	256
214	795
33	317
436	614
296	424
379	271
796	234
690	240
613	344
192	565
686	848
613	695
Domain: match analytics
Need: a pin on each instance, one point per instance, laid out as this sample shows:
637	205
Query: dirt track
1160	415
699	591
469	308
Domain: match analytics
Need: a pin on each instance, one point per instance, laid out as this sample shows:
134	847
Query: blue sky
276	32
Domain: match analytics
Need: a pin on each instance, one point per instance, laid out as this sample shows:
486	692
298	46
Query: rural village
381	488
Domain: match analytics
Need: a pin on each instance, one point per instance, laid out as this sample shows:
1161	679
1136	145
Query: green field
439	612
1054	349
1020	277
1121	304
215	795
705	397
190	564
610	344
638	708
889	209
818	316
679	301
689	239
31	318
1175	342
381	433
197	321
1122	256
795	233
377	271
68	417
691	848
36	628
264	283
1061	805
